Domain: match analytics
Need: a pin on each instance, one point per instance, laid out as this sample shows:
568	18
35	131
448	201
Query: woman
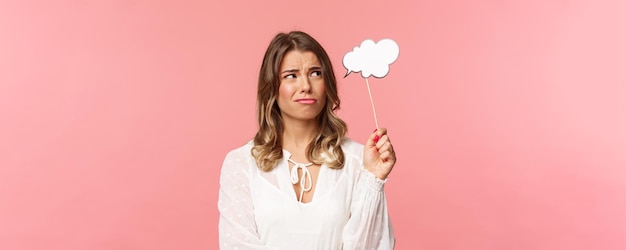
300	184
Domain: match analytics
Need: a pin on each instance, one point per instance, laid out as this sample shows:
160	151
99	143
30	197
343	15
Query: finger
372	139
381	131
384	139
385	147
387	156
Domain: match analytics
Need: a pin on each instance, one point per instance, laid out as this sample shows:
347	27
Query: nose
306	85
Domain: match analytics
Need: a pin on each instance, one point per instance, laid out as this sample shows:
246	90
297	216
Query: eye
289	76
316	73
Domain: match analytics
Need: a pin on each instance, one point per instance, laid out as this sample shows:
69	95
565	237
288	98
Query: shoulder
352	149
238	157
241	151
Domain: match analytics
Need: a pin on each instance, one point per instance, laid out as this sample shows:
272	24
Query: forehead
299	59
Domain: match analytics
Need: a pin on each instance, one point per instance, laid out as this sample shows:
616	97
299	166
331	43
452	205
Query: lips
306	101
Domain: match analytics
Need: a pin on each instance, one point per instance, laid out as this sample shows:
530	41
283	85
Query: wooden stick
372	101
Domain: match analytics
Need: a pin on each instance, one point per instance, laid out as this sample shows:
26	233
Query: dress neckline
306	175
303	179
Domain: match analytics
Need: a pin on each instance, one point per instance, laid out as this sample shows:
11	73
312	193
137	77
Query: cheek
285	91
322	91
321	87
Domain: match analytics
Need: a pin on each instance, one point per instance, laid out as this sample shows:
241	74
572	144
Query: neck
298	134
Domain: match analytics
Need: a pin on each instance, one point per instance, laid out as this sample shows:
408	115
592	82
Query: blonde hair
326	147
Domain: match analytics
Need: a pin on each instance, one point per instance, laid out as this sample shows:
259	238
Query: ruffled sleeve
369	226
237	227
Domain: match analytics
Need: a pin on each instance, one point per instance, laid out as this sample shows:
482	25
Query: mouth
306	101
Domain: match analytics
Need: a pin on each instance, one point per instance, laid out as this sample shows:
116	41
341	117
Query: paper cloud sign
371	59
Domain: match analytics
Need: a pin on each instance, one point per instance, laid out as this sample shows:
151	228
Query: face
302	91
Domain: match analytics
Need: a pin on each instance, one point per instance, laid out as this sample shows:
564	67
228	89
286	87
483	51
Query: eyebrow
296	70
289	71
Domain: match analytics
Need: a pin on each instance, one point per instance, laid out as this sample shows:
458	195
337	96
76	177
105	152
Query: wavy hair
326	147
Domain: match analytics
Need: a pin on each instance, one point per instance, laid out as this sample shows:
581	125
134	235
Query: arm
237	227
369	226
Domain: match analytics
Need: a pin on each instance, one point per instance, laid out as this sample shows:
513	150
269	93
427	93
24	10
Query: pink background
508	117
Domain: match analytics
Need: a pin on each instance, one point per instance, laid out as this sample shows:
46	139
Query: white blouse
260	210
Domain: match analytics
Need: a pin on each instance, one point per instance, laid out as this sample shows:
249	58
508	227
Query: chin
302	116
308	118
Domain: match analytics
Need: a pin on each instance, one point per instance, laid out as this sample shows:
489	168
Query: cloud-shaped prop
372	59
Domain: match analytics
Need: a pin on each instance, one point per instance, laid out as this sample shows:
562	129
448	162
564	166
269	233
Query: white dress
260	210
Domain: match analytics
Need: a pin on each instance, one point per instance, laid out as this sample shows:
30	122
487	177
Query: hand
378	155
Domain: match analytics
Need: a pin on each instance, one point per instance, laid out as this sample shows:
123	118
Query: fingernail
376	138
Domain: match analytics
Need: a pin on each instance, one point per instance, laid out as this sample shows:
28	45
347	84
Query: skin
301	98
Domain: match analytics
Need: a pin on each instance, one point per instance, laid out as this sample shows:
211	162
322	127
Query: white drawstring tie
305	174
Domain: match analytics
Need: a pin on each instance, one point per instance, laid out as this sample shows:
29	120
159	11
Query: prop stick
371	59
371	100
